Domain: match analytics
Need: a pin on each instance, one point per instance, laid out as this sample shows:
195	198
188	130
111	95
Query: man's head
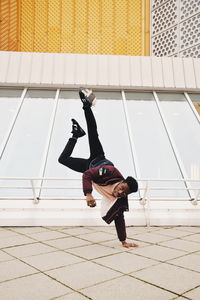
128	186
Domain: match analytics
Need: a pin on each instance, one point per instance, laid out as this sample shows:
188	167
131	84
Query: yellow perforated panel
80	26
40	25
54	30
77	26
27	25
107	24
8	25
67	26
94	27
134	44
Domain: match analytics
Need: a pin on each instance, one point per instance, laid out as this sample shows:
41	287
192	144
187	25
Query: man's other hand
90	200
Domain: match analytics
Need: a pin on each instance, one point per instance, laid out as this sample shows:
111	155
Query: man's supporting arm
121	231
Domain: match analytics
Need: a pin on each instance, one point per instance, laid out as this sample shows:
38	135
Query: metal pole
133	151
35	199
46	152
198	194
7	136
148	211
143	201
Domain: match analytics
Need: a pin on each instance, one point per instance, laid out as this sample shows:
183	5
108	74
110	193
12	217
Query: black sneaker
76	129
87	97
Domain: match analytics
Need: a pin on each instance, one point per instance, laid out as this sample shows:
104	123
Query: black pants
96	149
81	164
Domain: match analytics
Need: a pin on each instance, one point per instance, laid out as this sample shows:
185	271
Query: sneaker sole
91	98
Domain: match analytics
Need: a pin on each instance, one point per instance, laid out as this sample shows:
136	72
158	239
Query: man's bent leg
76	164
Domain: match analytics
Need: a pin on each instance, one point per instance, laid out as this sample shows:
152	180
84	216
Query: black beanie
132	184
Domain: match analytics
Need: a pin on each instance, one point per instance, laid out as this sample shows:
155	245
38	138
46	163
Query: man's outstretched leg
88	99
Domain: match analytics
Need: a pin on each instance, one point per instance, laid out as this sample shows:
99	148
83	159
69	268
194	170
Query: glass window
153	149
185	129
108	95
25	151
9	101
67	109
69	95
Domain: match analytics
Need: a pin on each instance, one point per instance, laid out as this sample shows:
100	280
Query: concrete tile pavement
76	263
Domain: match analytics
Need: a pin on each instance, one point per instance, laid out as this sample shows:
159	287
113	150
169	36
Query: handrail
79	188
145	198
64	178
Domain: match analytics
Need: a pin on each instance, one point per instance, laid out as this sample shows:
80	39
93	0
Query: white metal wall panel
102	70
25	67
157	72
113	70
4	61
189	73
13	67
36	68
47	68
135	72
107	71
168	75
178	70
69	73
146	71
91	70
124	71
80	69
59	69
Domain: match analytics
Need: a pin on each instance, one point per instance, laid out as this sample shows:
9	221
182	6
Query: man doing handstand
99	172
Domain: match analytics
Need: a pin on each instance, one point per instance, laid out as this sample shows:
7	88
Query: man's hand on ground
128	245
90	200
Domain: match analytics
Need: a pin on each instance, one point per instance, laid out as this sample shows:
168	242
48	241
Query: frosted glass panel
196	101
185	129
9	100
154	152
108	95
10	93
25	150
67	109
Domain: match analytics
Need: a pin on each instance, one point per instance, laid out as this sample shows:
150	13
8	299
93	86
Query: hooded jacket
105	175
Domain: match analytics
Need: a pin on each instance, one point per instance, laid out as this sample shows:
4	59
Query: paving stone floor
77	263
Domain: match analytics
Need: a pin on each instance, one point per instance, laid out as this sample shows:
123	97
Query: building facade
48	51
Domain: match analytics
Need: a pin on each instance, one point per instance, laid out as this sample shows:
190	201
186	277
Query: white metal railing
145	190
